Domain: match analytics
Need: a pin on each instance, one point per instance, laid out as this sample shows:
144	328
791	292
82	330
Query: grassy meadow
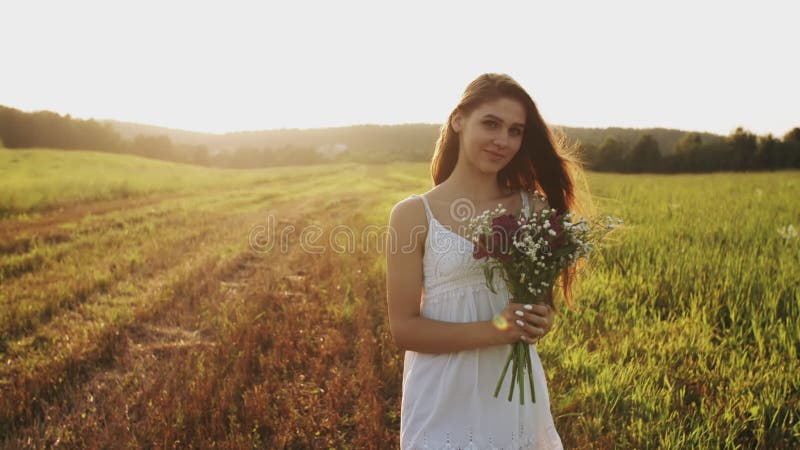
159	305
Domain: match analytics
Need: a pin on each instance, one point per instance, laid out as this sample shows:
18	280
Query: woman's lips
493	155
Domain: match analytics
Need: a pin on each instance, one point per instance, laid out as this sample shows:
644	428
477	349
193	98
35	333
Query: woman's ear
455	121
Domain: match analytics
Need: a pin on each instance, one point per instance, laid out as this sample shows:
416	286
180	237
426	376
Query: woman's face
491	135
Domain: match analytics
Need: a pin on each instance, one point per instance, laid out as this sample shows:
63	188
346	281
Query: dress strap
427	207
525	203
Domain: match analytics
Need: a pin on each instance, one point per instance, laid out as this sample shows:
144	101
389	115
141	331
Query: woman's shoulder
408	222
408	212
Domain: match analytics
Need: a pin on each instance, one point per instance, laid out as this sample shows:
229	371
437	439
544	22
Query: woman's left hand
542	317
538	315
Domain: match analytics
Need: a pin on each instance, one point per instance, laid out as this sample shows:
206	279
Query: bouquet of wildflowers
529	252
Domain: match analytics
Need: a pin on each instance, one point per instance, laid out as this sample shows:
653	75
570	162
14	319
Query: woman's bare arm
404	251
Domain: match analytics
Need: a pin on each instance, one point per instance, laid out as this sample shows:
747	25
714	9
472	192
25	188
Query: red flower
505	222
499	243
479	250
503	229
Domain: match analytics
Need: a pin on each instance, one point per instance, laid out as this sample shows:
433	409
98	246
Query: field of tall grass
148	304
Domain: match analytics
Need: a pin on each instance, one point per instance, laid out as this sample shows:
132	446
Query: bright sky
228	66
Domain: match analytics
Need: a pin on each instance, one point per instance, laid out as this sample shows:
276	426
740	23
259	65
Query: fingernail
528	307
520	323
519	313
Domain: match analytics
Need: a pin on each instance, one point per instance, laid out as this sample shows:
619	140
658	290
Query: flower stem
530	373
503	375
521	371
513	373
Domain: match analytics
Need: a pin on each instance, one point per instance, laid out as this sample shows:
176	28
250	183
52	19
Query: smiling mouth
494	154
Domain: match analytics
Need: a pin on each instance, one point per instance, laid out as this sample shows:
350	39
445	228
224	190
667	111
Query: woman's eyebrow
521	125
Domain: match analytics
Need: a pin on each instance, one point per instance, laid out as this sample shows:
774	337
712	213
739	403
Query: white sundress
448	399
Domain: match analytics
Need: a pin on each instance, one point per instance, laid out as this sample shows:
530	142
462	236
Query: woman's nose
501	139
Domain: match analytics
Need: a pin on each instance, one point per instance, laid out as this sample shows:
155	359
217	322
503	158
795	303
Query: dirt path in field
16	234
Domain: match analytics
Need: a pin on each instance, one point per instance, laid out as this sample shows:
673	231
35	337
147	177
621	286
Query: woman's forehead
506	109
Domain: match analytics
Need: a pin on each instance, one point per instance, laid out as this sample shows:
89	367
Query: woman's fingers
534	319
540	310
531	330
539	315
537	320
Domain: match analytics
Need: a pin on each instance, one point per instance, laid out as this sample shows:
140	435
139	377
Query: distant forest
656	150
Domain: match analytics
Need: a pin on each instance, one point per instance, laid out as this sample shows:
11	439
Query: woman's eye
490	123
516	132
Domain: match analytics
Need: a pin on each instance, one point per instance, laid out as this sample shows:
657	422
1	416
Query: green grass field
137	308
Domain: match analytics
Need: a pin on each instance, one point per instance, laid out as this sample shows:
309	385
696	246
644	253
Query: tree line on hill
45	129
740	150
611	149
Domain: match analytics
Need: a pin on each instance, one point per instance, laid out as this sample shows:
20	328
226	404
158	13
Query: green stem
530	373
521	369
503	375
513	374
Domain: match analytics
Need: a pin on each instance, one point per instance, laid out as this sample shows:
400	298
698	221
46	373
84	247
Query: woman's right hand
517	322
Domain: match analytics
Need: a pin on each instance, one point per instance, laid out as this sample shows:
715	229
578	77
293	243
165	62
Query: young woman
494	148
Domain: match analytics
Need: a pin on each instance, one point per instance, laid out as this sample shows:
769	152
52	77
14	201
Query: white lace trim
549	439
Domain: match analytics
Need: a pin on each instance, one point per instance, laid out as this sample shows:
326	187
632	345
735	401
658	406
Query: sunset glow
677	64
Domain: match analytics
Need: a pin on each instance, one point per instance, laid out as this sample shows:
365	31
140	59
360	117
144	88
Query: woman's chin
490	168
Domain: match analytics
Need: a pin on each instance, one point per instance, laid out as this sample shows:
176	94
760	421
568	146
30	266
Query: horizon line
365	124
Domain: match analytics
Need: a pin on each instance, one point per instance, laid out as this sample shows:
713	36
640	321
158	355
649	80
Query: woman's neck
480	187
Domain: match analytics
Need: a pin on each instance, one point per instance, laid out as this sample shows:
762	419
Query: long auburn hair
542	163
